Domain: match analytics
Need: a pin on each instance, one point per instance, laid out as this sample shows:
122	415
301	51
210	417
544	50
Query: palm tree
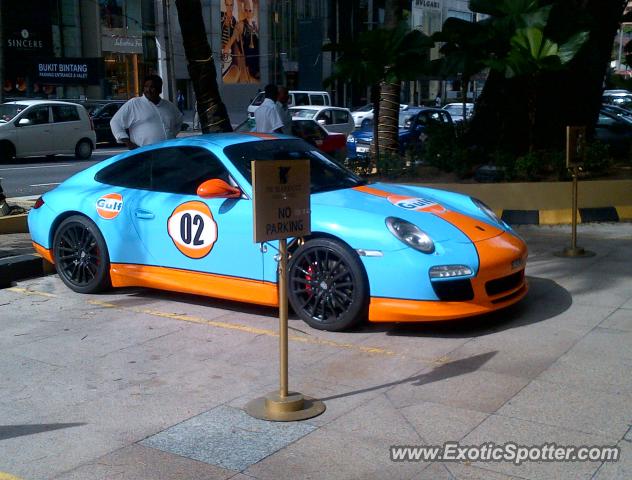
382	58
210	108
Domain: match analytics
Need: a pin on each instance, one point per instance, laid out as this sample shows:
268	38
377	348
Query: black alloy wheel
81	256
327	285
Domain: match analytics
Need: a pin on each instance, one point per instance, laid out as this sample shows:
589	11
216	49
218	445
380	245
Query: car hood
443	215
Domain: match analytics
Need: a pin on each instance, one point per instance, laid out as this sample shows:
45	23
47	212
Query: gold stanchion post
284	405
575	137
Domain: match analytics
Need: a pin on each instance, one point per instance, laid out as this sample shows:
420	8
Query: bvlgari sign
428	4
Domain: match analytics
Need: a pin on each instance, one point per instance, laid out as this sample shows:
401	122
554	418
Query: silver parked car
45	127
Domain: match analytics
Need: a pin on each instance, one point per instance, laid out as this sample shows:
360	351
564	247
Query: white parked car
296	98
456	110
363	116
333	119
45	127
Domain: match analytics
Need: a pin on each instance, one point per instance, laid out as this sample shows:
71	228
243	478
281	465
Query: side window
110	110
182	169
340	116
301	99
38	115
65	113
133	172
317	99
326	116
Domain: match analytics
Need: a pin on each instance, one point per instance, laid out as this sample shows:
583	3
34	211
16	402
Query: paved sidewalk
137	384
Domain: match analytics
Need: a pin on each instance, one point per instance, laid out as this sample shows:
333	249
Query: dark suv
101	112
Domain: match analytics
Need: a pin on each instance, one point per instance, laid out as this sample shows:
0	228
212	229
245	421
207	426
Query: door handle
144	214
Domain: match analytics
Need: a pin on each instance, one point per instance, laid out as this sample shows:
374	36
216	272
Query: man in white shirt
147	119
284	112
267	116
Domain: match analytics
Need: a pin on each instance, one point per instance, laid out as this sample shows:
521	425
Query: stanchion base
577	252
287	409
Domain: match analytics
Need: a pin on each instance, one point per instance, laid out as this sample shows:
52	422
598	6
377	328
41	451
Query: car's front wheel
83	150
81	255
327	285
7	151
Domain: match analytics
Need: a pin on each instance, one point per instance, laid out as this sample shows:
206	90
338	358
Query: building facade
77	48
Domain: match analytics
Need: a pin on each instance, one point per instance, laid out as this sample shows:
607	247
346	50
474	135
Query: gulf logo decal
192	228
110	205
415	204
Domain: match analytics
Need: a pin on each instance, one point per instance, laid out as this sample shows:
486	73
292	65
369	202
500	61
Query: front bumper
500	282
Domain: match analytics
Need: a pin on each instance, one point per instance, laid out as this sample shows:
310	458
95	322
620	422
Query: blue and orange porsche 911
178	216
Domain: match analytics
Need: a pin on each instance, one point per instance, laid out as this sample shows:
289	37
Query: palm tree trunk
388	127
210	108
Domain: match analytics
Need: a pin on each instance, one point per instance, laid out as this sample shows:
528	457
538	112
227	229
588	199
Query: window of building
112	14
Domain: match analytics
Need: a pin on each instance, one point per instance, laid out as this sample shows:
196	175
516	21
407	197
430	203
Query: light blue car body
138	234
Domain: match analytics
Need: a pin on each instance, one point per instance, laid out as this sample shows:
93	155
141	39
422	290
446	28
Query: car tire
7	151
366	123
83	150
327	285
81	255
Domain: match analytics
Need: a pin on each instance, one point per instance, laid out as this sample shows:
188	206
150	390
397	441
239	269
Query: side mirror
216	188
23	122
322	122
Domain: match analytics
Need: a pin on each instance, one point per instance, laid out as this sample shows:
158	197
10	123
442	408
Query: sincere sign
281	199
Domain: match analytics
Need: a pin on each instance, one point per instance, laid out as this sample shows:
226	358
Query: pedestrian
284	111
267	116
438	100
180	100
146	119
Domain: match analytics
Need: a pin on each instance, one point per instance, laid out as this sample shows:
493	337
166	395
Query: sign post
281	204
575	150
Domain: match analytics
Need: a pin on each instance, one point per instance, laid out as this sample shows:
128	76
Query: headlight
450	271
351	139
410	234
486	210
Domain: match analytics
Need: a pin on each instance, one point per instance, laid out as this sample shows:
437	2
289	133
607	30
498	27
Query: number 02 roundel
193	230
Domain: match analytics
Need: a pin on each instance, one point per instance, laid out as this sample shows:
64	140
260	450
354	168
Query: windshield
303	113
8	111
367	108
405	117
261	96
326	174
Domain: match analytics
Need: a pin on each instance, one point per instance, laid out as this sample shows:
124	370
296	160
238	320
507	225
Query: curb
21	267
14	224
565	216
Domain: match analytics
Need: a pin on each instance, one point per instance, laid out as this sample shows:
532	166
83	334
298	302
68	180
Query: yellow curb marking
247	329
624	212
225	325
8	476
31	292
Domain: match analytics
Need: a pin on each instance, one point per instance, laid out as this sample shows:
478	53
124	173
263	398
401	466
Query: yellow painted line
244	328
558	217
248	329
624	212
26	291
8	476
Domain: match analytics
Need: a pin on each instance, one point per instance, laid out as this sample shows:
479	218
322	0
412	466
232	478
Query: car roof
316	107
40	102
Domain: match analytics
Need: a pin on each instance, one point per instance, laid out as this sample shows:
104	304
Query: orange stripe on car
198	283
265	136
45	253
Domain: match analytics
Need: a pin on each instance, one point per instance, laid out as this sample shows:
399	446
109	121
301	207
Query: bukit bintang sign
77	71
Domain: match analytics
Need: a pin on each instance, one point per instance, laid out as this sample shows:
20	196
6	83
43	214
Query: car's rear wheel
81	255
327	285
83	150
366	123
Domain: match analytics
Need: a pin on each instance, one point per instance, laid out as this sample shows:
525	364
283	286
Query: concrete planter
14	224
